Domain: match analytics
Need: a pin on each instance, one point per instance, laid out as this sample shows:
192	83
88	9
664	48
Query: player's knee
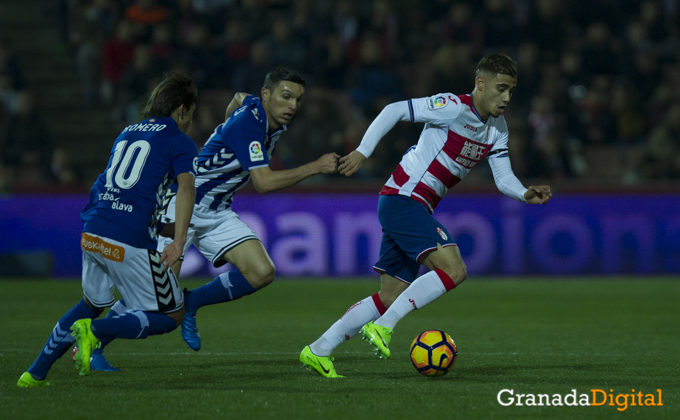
457	273
261	276
98	309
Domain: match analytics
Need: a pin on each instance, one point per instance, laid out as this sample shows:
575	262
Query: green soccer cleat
379	337
322	365
86	342
27	381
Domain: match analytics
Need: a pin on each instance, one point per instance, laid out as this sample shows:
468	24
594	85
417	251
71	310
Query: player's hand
169	230
171	254
328	163
538	194
351	163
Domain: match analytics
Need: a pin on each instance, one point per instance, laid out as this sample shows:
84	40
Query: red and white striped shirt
453	141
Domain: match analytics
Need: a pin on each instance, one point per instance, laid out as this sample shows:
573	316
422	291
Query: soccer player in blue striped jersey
121	226
239	150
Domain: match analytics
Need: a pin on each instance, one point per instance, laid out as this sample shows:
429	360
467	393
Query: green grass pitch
541	336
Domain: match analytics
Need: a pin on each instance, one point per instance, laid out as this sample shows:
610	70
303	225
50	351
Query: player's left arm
184	207
508	184
265	180
235	103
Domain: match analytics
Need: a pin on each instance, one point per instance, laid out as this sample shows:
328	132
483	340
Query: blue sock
61	339
135	324
117	309
227	286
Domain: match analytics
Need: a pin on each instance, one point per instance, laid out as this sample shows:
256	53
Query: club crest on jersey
436	103
441	233
195	165
256	151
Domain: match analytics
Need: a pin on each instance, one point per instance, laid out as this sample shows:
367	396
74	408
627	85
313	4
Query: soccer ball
433	353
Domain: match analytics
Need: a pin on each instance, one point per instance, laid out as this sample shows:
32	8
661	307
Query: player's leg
154	301
448	271
394	267
98	292
422	239
58	343
255	270
99	361
396	271
317	356
227	239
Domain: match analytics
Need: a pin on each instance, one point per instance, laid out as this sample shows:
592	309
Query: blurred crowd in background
598	87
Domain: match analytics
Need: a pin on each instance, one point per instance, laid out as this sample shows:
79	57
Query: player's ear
265	94
479	82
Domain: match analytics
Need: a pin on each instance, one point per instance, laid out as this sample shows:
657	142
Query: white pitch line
274	353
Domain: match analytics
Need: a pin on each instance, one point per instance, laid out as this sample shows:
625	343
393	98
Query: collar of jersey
282	128
474	109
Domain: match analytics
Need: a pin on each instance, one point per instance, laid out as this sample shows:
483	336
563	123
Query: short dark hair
497	64
174	90
280	73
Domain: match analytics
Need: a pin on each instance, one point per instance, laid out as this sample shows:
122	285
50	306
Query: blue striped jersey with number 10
241	143
127	200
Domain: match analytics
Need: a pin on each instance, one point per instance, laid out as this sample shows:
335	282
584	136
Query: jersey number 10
120	166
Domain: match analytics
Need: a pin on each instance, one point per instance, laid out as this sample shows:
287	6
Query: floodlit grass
542	336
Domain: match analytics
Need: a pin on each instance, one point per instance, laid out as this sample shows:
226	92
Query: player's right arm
433	109
235	103
184	207
265	180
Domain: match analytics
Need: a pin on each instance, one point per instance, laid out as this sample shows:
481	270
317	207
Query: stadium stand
598	82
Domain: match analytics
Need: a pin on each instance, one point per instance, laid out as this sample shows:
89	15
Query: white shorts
136	272
213	232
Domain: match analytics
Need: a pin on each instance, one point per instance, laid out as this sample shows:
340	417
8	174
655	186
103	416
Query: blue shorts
409	230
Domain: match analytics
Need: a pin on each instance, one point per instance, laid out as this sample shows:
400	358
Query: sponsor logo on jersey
438	102
471	128
441	233
255	149
99	246
473	150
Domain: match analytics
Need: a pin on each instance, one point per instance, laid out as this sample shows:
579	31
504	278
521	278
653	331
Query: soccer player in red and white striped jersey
459	131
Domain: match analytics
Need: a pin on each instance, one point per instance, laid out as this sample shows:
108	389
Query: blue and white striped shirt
241	143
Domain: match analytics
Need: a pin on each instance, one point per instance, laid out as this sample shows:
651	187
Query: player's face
282	103
496	94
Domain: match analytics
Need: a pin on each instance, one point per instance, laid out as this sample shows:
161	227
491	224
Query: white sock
349	325
424	290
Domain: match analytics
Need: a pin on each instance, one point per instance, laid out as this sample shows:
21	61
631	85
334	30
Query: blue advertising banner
339	234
